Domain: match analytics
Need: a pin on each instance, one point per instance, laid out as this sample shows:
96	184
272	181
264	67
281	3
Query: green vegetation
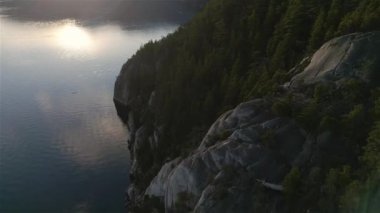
348	178
234	51
151	204
180	205
283	107
292	184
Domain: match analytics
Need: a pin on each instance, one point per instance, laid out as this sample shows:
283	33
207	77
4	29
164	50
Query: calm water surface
62	146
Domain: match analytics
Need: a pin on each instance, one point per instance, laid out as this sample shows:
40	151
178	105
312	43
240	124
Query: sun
70	36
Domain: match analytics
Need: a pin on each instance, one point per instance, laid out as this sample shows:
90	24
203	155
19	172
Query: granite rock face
248	140
350	56
247	149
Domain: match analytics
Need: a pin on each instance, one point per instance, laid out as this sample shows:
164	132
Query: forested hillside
234	51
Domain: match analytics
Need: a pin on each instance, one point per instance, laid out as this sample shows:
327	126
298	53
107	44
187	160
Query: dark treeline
237	50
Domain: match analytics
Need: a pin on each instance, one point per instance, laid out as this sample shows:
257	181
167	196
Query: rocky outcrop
248	139
247	151
349	56
245	148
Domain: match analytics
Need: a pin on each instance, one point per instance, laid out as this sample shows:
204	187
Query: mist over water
62	146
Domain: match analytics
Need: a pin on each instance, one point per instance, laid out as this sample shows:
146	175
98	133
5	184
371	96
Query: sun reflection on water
72	37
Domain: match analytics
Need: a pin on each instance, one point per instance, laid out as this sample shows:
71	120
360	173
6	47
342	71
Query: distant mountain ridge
126	12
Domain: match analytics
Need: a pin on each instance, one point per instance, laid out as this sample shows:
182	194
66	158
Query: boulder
247	148
350	56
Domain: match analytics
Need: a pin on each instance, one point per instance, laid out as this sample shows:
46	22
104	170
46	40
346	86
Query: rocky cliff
253	157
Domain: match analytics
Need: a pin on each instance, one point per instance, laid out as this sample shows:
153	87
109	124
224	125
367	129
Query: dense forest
233	51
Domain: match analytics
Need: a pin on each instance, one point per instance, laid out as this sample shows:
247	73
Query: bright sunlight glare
70	36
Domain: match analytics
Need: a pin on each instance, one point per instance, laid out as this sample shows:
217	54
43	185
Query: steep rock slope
250	146
248	153
172	90
340	58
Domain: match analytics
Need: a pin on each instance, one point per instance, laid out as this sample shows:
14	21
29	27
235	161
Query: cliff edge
264	153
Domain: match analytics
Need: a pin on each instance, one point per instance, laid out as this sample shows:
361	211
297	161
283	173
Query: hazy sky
135	12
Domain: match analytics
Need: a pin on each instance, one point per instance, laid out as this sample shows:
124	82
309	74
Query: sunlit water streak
62	147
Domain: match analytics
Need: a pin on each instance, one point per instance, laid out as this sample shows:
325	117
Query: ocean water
62	146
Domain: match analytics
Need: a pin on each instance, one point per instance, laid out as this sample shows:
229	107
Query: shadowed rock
244	149
247	149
